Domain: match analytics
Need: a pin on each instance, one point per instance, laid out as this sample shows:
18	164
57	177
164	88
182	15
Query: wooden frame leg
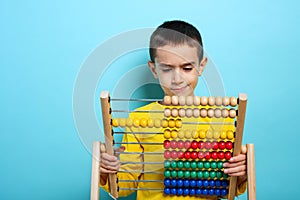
251	172
95	179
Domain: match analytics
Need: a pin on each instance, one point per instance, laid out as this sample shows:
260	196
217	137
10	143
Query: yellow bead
181	134
195	134
143	122
164	123
167	134
115	122
174	134
172	123
150	123
216	134
187	134
202	134
209	134
136	122
157	123
223	135
129	122
178	123
230	135
122	122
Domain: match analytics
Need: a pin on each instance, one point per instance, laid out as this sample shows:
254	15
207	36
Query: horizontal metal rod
141	163
139	171
135	99
146	143
138	111
131	132
144	181
143	153
159	189
210	123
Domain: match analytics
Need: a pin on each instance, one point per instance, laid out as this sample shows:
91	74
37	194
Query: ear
202	66
151	66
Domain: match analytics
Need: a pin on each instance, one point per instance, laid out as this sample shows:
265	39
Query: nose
177	78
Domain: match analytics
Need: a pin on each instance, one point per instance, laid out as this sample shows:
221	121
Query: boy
177	60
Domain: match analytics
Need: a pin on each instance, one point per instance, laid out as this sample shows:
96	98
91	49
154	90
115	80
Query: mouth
178	89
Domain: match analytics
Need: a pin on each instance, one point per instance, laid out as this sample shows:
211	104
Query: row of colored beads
202	134
203	112
197	145
144	123
203	101
195	155
195	191
195	183
195	174
193	164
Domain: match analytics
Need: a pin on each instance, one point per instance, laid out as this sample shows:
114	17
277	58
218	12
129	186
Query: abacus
191	159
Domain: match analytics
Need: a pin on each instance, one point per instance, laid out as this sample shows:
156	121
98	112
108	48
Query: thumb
244	149
119	150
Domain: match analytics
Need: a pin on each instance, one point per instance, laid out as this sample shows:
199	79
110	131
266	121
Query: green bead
167	164
225	175
213	165
220	165
167	173
206	174
179	164
193	174
173	173
187	174
173	164
207	165
199	174
219	174
187	164
213	174
193	165
200	165
180	174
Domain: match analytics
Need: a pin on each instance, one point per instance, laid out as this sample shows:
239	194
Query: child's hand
109	164
237	166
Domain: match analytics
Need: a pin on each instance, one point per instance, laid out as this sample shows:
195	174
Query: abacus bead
173	191
232	113
186	191
217	192
205	183
215	145
174	134
218	183
188	112
167	173
226	101
193	183
189	100
227	155
221	155
194	155
167	100
115	122
233	101
208	145
180	144
203	101
164	123
178	123
200	174
224	192
225	113
214	155
207	155
218	101
167	182
157	123
187	155
188	134
174	112
195	134
228	145
181	100
193	164
213	165
206	174
179	182
200	165
192	191
220	165
180	174
173	144
196	100
206	165
173	173
186	183
181	112
167	144
202	134
167	112
187	164
174	154
223	135
203	112
194	144
210	112
216	134
209	134
199	183
129	122
222	145
230	135
198	191
187	174
167	191
179	164
181	134
179	191
201	155
143	122
167	154
205	191
167	134
211	192
122	122
218	113
150	123
174	100
193	174
196	112
171	123
211	101
180	154
219	174
167	164
212	174
136	122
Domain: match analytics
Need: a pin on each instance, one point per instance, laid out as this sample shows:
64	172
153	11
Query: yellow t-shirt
154	172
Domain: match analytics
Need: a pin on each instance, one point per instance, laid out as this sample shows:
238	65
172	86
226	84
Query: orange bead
223	135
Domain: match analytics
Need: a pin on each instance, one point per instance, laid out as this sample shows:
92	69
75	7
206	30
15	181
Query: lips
179	89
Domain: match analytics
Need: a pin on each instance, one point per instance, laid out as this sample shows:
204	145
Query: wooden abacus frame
109	141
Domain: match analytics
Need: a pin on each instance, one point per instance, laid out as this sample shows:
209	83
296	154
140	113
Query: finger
234	170
106	156
237	158
111	167
231	165
107	171
244	149
238	174
120	149
102	148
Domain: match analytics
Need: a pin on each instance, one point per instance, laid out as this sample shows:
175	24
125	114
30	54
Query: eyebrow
182	65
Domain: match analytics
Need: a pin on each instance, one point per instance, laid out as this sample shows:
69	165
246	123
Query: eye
166	69
188	68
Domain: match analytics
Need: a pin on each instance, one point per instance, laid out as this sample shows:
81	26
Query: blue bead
193	183
205	191
218	192
192	191
224	192
186	183
173	182
174	191
167	182
167	191
186	191
205	183
198	191
199	183
225	183
218	183
179	191
211	183
179	182
211	192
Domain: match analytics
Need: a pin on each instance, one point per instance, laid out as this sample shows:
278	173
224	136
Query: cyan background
255	45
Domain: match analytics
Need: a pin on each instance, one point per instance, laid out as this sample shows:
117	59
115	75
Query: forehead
176	54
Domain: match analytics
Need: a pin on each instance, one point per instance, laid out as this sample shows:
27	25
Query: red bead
194	144
173	144
187	144
194	155
201	145
201	155
229	145
167	154
187	155
167	144
208	145
221	155
214	155
174	154
207	155
222	145
227	155
180	154
215	145
180	144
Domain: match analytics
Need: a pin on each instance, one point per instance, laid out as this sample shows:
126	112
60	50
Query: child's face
177	69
